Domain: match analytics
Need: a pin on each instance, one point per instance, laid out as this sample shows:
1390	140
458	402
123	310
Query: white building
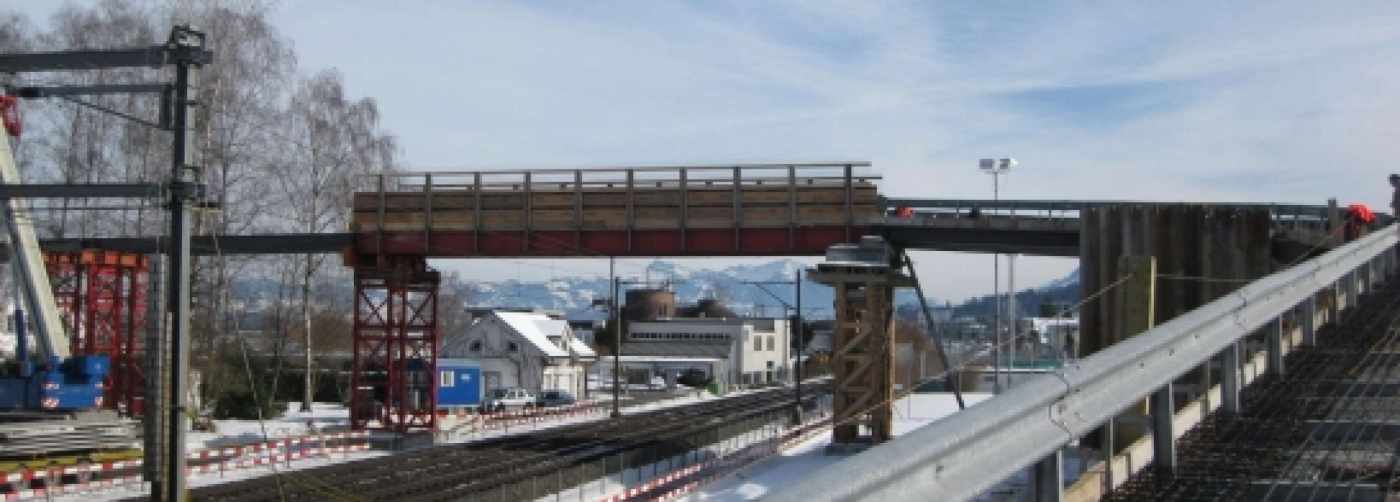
740	351
528	350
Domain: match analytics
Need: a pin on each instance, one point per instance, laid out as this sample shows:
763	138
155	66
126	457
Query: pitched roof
581	349
536	329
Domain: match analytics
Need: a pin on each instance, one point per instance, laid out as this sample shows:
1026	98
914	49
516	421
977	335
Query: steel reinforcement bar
970	452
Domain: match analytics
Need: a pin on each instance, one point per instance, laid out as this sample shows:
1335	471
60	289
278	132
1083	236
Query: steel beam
211	245
151	57
81	191
33	92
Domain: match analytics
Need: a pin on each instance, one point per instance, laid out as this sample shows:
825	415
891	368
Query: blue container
458	383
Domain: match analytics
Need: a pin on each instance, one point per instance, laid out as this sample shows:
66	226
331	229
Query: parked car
555	398
502	399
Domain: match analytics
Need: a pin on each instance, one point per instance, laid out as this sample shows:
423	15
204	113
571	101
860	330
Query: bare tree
333	140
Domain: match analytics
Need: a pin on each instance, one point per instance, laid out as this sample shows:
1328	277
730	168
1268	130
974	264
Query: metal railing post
1049	484
1230	379
1274	336
1163	435
1309	321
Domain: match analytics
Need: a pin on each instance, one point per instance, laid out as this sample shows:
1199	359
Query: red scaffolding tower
395	346
102	299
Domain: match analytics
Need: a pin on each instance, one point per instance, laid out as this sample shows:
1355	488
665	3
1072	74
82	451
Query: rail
963	456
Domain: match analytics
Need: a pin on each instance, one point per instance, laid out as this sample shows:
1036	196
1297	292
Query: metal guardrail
972	451
1070	208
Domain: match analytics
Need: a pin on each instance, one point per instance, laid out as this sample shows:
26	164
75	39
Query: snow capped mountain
1071	279
575	295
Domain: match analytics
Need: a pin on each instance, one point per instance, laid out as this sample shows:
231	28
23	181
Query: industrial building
527	350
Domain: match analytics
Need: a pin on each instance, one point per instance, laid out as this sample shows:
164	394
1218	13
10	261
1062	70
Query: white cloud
1280	101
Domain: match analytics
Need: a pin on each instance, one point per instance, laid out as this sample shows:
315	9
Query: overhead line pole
794	330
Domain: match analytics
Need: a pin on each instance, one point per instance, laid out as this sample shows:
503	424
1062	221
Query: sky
1282	101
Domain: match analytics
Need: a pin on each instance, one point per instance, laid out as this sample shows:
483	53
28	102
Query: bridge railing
1071	208
963	456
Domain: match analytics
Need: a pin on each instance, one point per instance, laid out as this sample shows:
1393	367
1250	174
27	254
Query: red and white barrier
112	474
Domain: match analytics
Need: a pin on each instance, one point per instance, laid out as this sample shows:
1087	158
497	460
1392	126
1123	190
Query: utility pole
617	341
801	332
996	168
794	329
185	44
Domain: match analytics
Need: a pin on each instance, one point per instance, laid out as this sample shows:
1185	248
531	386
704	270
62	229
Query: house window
770	342
447	378
512	347
475	346
757	343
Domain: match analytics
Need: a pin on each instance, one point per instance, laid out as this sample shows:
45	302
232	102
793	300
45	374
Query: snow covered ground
790	466
328	415
293	423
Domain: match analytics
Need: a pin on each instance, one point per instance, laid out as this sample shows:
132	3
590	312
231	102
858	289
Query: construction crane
49	398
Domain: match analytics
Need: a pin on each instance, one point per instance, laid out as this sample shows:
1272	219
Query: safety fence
463	423
31	484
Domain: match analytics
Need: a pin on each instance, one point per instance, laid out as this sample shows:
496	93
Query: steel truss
102	298
393	384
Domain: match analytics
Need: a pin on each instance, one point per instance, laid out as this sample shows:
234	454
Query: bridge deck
696	210
1328	430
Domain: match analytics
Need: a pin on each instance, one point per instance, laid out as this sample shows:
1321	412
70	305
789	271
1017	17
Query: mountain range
575	296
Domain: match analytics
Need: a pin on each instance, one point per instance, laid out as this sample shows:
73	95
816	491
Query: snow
790	466
536	329
580	348
293	423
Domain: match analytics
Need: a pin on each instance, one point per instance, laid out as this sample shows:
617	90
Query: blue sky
1288	101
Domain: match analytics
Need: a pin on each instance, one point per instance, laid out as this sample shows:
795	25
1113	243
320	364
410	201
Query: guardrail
972	451
1071	208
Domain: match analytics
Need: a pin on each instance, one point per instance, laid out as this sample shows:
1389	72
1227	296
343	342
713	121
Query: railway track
506	468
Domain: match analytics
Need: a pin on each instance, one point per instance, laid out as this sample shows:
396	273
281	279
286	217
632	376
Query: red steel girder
102	295
395	341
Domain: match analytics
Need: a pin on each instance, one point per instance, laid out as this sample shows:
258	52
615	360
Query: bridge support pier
863	278
392	383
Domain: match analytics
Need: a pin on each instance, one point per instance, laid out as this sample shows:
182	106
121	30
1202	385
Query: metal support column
1274	335
1308	321
187	45
1049	485
1230	379
1163	433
